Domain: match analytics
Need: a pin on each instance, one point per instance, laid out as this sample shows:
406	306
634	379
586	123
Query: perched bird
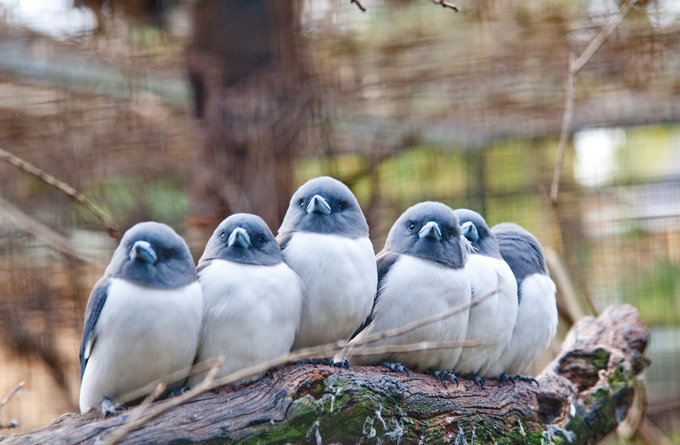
251	299
324	238
537	312
421	272
492	321
142	319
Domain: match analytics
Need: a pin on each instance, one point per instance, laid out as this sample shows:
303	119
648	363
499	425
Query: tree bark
583	395
248	70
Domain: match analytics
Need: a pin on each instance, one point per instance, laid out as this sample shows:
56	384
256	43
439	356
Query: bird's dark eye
223	235
301	203
167	253
261	239
411	226
343	205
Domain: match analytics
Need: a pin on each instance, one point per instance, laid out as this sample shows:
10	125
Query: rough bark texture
583	395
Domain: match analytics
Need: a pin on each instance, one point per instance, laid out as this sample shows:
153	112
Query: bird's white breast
142	334
251	313
536	325
340	279
414	289
492	321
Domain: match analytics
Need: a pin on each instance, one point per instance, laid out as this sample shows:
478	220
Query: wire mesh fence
417	105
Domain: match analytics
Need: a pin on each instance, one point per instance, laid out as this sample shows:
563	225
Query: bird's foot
505	377
340	363
446	376
396	367
479	380
179	392
108	408
311	361
527	379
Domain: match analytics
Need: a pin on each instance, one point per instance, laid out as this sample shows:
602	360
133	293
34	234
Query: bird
492	321
142	318
324	238
252	300
421	272
537	309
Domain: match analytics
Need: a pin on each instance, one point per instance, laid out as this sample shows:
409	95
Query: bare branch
43	232
13	423
63	187
575	65
132	422
445	4
359	5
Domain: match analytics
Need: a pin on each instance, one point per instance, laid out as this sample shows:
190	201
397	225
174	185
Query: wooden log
583	395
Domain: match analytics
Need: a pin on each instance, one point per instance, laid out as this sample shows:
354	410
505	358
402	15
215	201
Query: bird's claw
527	379
108	408
446	376
479	380
396	367
505	377
179	392
340	363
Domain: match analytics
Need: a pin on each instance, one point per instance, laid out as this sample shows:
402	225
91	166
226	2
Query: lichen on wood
583	395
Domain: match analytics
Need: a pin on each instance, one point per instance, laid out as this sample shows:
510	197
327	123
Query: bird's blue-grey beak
430	230
319	205
143	251
239	236
470	231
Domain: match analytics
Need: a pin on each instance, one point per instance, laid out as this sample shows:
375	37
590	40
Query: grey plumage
142	318
421	273
324	238
252	299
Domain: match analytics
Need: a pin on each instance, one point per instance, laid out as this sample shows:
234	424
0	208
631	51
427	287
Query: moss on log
583	395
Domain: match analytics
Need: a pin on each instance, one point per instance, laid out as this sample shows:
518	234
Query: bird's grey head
520	249
154	255
478	233
324	205
243	238
429	230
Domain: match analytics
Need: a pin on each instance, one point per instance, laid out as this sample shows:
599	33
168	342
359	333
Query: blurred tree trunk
248	74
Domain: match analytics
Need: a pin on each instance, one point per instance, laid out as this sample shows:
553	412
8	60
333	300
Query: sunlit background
170	110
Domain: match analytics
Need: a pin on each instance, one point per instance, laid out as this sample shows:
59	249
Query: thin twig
63	187
9	396
131	423
567	119
575	65
13	423
359	5
445	4
57	241
134	424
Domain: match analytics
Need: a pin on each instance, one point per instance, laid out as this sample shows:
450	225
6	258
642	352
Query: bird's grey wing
385	260
523	254
94	307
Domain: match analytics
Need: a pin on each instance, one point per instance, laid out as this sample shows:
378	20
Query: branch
575	65
58	242
445	4
63	187
583	394
13	423
359	5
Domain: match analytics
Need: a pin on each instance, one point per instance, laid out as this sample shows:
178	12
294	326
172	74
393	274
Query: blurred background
184	111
